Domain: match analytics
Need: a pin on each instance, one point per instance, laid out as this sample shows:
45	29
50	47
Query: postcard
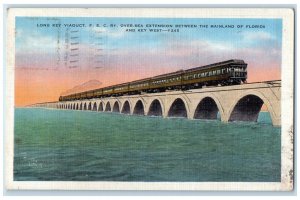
149	99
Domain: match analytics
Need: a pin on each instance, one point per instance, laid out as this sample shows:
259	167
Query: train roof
232	61
236	61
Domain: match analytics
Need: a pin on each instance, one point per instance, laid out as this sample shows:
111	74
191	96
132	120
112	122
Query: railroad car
230	72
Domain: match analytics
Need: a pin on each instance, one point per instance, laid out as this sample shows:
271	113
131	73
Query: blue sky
116	43
121	39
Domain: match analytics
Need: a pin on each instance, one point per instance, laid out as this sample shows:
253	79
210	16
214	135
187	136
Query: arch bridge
233	103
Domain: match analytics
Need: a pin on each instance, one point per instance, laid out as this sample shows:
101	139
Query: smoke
89	85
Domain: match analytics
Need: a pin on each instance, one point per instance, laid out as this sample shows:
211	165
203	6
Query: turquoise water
66	145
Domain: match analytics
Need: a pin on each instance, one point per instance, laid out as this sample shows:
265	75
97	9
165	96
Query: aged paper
149	99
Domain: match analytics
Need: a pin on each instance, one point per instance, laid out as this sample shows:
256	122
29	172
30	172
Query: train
229	72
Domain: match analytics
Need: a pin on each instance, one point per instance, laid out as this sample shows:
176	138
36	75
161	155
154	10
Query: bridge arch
101	107
156	108
107	107
178	108
126	107
139	108
116	107
89	106
208	108
247	106
73	107
94	106
84	106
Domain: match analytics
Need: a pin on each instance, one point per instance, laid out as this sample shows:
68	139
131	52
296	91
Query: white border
287	15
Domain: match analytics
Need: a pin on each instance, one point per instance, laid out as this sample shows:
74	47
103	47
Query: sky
86	53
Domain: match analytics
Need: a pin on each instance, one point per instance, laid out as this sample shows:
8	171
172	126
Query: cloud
105	32
257	35
35	42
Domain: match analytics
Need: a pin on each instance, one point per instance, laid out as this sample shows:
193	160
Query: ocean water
67	145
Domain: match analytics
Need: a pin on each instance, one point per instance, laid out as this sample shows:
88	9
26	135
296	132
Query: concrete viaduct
234	103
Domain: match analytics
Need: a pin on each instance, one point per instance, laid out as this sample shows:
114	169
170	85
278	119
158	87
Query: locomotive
230	72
